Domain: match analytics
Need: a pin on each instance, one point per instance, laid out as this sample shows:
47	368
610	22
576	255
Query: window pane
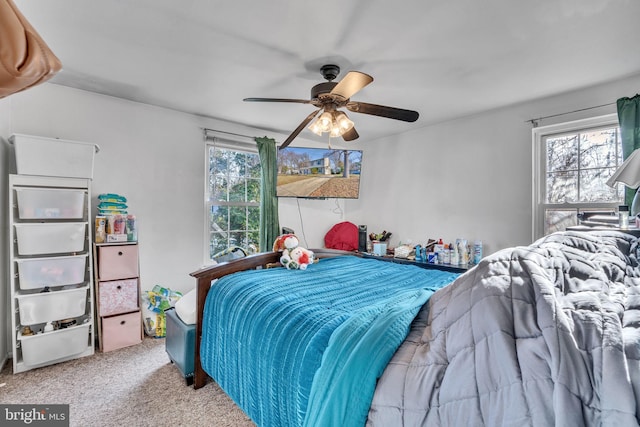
253	190
217	160
218	242
238	191
237	218
253	220
253	238
562	153
253	166
219	218
594	188
559	219
599	149
219	189
562	187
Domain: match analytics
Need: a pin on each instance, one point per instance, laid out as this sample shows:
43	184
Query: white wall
469	178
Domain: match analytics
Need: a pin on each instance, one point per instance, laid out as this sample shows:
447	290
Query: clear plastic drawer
51	346
51	238
55	271
47	203
51	306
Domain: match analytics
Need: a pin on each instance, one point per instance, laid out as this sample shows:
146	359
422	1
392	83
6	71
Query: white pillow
186	307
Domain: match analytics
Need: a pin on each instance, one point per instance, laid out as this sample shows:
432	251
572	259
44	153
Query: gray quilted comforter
543	335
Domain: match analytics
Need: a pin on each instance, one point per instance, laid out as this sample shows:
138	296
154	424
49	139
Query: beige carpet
134	386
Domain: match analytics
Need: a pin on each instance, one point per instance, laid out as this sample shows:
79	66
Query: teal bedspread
295	347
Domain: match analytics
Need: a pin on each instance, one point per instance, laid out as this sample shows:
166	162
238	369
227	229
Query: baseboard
3	361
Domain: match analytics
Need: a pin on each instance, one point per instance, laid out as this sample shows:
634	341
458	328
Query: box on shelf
113	238
52	306
47	203
35	273
50	238
36	155
51	346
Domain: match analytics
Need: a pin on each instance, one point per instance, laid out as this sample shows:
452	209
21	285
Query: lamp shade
628	173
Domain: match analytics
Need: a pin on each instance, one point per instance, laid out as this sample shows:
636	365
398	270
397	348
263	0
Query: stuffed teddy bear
294	257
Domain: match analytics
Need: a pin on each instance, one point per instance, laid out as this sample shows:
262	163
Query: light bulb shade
325	120
335	132
628	172
343	122
316	128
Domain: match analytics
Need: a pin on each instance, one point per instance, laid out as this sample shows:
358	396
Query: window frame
539	168
212	142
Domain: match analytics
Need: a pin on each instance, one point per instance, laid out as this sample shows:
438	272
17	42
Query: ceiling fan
329	96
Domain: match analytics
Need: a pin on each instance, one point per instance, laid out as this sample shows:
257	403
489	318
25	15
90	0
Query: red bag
25	59
343	236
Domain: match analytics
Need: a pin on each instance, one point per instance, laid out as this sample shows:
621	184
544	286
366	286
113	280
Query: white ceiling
445	59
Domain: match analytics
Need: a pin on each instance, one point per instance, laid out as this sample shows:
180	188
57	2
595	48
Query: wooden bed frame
206	275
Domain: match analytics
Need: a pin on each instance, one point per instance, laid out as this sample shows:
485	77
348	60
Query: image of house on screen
320	166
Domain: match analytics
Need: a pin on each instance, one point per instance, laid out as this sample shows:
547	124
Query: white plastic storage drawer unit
117	296
55	345
51	306
37	273
117	262
51	238
121	331
36	155
50	203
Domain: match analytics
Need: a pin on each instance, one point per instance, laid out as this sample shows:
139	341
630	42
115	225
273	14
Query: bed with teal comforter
306	347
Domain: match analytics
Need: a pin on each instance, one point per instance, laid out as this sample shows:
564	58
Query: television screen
319	173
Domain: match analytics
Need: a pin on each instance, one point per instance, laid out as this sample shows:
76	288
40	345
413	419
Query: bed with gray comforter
543	335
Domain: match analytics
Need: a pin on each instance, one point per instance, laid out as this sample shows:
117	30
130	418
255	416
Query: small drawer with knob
117	262
121	331
117	296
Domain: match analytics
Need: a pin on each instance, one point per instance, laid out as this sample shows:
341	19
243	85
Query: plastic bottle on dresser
477	251
455	256
623	216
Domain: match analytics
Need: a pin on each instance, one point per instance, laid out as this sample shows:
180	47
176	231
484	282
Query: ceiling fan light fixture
336	123
315	128
343	122
325	121
335	131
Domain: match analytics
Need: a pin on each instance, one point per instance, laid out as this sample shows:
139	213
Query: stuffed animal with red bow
294	257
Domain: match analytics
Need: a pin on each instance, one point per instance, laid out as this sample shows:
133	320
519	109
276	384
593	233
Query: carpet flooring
133	386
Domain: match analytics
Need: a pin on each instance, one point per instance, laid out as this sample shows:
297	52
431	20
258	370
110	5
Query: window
232	197
572	162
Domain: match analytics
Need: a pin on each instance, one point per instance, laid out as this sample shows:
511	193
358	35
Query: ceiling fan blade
383	111
351	134
299	101
301	126
351	83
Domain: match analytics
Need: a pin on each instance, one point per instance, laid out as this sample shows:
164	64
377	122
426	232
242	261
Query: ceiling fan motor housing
322	88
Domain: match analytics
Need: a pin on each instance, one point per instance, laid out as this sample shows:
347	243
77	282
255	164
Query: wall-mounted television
319	173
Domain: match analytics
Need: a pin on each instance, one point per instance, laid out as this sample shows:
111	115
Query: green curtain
629	120
269	223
